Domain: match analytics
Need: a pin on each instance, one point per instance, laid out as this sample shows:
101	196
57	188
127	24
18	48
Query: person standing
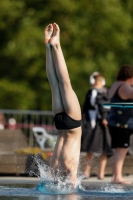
96	138
120	120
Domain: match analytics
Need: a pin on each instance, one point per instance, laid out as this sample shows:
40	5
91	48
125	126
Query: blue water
52	187
92	189
87	191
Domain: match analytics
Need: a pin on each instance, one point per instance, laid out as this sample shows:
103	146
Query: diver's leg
56	97
57	105
69	98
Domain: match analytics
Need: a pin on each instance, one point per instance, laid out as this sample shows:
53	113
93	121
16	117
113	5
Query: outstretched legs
57	105
65	98
67	148
69	99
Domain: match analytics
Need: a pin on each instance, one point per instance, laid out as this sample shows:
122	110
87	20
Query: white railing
26	120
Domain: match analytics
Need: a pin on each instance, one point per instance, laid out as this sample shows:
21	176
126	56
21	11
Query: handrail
7	111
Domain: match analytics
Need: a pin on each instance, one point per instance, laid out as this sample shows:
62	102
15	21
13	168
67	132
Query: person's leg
103	162
118	160
69	98
89	157
57	105
119	138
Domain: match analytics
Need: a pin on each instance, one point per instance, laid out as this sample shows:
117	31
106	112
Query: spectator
120	120
95	136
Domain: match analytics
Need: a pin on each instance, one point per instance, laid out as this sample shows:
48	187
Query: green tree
95	35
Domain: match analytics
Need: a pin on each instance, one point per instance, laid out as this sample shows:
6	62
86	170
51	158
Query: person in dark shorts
120	120
120	137
65	107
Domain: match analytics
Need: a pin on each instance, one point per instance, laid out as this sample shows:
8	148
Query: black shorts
120	137
63	121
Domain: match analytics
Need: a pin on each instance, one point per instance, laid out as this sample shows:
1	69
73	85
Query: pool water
86	191
51	187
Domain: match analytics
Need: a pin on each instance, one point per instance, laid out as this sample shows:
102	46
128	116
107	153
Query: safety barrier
26	120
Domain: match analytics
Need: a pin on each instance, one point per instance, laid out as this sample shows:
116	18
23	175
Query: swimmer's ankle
48	46
56	46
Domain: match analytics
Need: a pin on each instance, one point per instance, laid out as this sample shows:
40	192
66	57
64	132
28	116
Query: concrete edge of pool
35	180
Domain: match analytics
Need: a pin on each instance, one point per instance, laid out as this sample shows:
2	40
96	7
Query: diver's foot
55	40
48	31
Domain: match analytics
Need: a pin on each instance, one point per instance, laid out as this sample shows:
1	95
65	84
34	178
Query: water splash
112	188
106	190
51	183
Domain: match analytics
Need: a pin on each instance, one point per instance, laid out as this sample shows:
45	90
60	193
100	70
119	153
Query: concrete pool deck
35	180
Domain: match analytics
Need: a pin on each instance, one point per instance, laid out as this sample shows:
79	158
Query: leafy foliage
95	36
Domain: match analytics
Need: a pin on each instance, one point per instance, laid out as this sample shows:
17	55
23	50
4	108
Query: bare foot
122	181
100	177
55	39
48	31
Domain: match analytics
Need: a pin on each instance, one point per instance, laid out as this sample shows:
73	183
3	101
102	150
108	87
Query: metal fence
26	120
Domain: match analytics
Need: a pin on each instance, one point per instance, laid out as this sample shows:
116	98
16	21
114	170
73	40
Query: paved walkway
107	179
34	180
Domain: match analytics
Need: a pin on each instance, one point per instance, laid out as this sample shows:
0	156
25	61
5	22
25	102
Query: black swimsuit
63	121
